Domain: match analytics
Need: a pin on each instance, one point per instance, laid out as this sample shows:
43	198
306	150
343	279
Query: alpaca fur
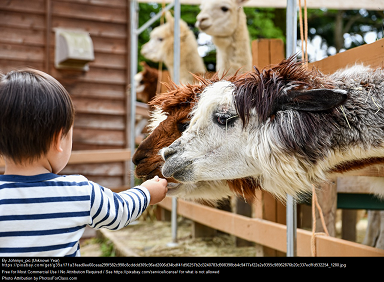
160	48
169	119
226	22
146	83
285	127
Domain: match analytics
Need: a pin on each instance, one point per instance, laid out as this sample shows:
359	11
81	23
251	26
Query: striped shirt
46	214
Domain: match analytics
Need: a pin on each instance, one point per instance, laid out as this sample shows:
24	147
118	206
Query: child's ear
57	141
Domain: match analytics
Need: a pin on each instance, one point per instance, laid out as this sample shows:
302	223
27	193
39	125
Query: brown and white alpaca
169	120
146	83
285	127
226	22
160	48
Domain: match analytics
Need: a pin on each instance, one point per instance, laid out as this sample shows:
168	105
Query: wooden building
27	38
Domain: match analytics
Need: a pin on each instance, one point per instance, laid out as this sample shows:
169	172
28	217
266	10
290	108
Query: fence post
291	203
176	79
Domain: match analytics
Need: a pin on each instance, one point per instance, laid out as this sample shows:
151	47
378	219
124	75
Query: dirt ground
151	238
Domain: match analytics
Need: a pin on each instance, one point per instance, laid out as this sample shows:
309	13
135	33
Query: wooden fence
270	233
267	233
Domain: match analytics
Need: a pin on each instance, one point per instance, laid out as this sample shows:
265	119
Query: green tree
334	26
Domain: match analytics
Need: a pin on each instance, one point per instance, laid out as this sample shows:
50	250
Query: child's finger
156	178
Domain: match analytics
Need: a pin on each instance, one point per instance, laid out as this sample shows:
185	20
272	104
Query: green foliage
261	24
334	26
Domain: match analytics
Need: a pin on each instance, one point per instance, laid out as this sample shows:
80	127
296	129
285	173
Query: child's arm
116	210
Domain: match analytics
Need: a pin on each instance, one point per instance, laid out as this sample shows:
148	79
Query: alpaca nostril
200	21
138	156
203	20
166	153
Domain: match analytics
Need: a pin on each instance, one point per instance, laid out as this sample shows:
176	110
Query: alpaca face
166	129
219	17
208	149
157	48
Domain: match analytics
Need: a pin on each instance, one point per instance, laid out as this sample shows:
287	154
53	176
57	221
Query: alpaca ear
170	19
314	100
183	25
241	2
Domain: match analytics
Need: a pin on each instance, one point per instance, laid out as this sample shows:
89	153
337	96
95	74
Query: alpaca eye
182	126
225	120
222	120
224	9
160	39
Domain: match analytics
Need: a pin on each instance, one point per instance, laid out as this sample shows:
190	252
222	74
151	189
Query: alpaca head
219	17
146	83
169	120
266	125
160	46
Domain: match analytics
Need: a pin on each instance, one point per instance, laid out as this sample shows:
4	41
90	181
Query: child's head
34	109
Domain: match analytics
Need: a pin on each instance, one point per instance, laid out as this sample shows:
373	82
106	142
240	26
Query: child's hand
157	187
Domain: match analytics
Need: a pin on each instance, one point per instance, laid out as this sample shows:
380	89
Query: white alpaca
160	48
226	22
286	127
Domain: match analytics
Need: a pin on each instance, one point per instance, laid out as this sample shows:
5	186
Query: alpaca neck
234	52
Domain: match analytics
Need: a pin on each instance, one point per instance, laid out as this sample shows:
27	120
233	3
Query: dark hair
34	108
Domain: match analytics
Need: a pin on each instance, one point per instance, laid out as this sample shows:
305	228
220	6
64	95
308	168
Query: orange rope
160	68
315	204
304	34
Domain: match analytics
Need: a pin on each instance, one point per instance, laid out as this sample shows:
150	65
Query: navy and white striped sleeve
116	210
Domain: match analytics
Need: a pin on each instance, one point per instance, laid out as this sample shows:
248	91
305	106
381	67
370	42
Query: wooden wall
27	39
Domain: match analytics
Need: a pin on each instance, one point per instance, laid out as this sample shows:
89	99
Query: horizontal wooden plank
89	12
95	147
94	75
99	106
22	36
108	3
22	20
353	184
21	52
7	65
368	54
109	45
268	233
35	6
99	137
99	90
99	169
109	60
111	182
102	59
104	29
96	121
100	156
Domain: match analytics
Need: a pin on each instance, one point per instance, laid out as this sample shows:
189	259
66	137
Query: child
42	213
